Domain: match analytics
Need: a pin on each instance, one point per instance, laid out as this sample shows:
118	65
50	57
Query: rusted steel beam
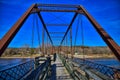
71	52
69	27
43	35
58	5
39	15
4	42
55	10
109	41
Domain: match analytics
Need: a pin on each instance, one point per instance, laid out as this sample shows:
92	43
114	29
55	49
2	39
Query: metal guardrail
111	72
101	71
68	65
17	72
42	72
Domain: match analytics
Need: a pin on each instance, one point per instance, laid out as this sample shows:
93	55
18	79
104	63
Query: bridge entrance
78	69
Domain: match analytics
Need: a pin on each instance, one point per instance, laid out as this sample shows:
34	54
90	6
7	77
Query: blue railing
17	72
42	72
111	72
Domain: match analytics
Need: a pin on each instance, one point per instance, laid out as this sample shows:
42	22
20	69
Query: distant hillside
19	51
77	49
89	50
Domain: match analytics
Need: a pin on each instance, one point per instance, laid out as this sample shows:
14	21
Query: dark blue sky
106	12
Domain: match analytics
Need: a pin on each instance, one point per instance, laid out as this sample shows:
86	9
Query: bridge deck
59	72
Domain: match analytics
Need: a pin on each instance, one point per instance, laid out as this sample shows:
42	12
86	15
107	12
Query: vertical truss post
52	50
43	34
5	41
47	45
66	46
71	42
109	41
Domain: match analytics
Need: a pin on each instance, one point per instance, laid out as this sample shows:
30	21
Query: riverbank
90	56
21	56
95	56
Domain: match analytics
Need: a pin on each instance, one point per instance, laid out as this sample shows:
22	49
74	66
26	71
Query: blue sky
106	12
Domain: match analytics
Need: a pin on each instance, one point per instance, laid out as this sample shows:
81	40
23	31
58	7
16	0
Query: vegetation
20	52
89	51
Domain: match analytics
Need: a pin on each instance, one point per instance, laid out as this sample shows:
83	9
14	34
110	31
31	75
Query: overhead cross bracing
76	9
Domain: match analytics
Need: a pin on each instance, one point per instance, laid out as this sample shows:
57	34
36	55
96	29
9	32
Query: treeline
20	51
87	50
78	50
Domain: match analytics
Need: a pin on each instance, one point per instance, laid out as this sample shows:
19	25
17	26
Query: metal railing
68	65
42	72
111	72
17	72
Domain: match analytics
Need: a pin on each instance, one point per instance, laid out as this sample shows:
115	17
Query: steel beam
58	5
43	35
39	15
4	42
55	10
69	27
71	42
109	41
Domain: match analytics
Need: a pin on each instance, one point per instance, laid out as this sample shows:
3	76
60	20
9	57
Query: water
6	63
109	62
10	62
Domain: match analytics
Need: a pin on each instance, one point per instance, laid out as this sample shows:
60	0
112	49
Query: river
6	63
10	62
109	62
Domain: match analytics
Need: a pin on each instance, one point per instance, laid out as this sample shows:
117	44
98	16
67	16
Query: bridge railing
17	72
42	72
70	68
111	72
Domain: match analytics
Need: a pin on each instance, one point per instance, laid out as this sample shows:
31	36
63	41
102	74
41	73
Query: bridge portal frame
37	8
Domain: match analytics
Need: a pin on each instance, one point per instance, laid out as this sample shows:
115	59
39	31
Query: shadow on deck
59	72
